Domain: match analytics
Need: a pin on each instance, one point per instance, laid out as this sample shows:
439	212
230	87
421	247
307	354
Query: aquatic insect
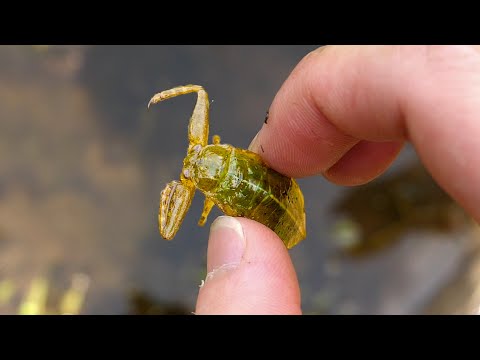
236	180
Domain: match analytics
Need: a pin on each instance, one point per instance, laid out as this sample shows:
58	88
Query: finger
429	95
249	271
364	162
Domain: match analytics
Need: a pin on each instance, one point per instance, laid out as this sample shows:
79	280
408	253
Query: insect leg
207	207
198	126
216	139
175	200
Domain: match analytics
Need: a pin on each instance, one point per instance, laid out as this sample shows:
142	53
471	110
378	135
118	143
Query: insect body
235	180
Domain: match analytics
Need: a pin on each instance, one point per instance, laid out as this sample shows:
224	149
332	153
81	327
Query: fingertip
263	281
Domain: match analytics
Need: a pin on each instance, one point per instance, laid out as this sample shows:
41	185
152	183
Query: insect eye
186	173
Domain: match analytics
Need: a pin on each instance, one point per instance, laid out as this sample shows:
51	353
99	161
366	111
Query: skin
345	112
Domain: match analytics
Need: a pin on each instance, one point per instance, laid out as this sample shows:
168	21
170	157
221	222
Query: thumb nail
253	145
226	243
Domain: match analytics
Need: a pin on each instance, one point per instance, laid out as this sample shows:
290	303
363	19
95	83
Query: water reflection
142	303
380	213
82	164
44	296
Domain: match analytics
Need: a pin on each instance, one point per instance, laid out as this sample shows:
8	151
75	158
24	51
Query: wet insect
236	180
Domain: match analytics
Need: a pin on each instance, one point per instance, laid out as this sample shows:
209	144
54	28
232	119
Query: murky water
82	164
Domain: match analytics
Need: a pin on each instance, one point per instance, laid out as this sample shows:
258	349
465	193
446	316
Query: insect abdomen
250	189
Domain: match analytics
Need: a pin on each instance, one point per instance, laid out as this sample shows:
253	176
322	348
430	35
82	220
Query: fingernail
253	145
226	244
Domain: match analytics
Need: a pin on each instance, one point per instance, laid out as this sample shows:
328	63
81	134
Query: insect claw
152	101
149	104
175	200
198	125
155	99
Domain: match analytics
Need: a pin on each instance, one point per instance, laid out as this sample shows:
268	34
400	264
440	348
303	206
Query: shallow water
82	164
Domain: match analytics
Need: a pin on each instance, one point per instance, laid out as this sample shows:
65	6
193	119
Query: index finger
345	112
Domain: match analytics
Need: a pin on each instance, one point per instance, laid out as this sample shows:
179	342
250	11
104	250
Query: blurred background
82	165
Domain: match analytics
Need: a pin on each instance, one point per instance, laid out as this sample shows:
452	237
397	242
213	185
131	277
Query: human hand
345	112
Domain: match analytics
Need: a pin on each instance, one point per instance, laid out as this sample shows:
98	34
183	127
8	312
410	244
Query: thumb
249	271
